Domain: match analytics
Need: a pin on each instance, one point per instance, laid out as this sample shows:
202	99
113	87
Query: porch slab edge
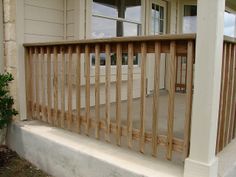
62	153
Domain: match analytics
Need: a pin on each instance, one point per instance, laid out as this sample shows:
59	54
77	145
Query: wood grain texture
87	89
143	97
69	119
130	94
63	66
78	86
189	95
171	99
118	92
155	107
55	85
97	89
108	92
49	98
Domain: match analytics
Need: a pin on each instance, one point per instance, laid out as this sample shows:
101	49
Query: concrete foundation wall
65	154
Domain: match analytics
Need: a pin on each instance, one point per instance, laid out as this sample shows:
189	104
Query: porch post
209	46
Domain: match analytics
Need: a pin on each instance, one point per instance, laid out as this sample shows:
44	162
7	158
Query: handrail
168	37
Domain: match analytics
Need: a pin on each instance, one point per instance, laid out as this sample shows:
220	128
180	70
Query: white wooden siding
70	23
43	20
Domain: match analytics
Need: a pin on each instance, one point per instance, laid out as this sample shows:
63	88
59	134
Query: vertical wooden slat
55	86
87	92
189	92
143	97
118	93
171	99
97	90
108	93
62	51
69	118
155	107
227	95
78	83
223	96
130	94
29	80
232	104
42	83
49	104
36	77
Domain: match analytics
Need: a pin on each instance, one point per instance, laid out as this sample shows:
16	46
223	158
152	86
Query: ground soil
11	165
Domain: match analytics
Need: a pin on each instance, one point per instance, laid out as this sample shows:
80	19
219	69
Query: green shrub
6	100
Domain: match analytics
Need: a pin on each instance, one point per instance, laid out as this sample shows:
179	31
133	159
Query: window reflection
157	24
115	18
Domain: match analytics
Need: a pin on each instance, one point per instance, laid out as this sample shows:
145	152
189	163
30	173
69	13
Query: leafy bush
6	101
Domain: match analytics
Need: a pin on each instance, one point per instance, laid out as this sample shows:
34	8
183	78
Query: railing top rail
230	39
117	39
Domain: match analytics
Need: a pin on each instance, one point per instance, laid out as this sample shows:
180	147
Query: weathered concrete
66	154
227	161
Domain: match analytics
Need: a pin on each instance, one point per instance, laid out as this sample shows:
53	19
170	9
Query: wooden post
189	94
78	86
143	97
69	119
118	93
87	92
49	104
108	92
155	107
171	99
55	86
130	94
97	90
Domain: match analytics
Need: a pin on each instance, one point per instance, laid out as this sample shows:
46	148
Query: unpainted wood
155	107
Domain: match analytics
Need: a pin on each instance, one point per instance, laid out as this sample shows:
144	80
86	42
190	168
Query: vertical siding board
155	107
143	97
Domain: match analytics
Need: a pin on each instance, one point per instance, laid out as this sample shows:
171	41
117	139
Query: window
230	24
158	17
190	21
115	18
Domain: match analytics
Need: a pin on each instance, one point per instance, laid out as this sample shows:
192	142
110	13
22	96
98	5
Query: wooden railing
227	116
57	82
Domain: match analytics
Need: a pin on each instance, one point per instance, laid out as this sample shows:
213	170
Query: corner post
209	47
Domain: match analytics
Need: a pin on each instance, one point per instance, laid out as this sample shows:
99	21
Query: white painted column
202	161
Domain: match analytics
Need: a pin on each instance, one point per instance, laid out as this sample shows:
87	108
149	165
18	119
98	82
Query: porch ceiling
231	3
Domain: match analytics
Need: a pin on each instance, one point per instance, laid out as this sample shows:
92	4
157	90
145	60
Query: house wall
70	19
43	20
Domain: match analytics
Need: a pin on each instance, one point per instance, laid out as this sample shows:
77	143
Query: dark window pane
161	12
190	10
